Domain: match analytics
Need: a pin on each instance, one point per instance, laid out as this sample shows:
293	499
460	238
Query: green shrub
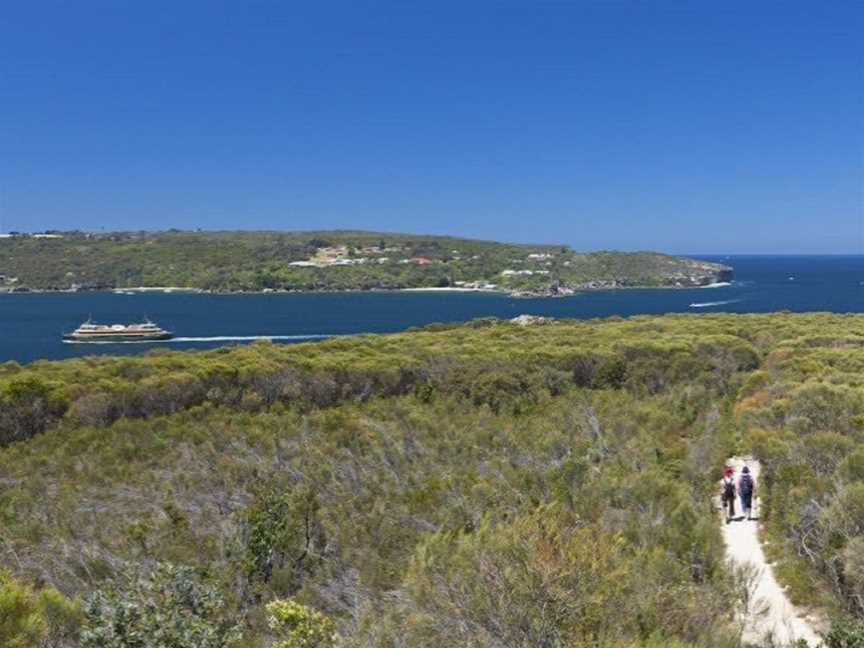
168	607
282	534
845	633
31	617
299	626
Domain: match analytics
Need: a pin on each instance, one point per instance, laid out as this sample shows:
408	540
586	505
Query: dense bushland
485	484
496	363
348	507
804	413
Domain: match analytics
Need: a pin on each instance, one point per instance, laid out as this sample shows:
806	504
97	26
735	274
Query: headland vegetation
318	261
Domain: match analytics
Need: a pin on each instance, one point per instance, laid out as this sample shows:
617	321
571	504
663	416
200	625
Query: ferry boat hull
118	337
89	331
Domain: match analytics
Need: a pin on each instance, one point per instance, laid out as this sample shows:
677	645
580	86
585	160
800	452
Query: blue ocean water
31	324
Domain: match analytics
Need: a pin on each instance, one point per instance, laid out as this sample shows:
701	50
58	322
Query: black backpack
728	489
746	485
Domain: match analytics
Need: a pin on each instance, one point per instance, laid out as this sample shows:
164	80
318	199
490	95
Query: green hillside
487	484
327	260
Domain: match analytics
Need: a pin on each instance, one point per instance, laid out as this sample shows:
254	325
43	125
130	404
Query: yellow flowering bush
299	626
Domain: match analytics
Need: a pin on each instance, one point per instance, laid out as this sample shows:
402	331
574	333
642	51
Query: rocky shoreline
554	291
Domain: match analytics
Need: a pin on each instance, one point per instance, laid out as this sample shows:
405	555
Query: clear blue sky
691	126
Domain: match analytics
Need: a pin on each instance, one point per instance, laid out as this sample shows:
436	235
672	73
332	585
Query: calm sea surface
31	324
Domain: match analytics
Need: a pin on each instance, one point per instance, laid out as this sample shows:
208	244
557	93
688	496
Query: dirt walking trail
768	612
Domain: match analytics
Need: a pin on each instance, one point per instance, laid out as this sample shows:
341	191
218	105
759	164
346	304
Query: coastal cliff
329	261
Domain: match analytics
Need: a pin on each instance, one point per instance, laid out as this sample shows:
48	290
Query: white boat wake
714	303
250	338
214	338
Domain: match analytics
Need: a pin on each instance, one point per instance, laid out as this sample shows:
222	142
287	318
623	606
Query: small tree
21	624
299	626
31	617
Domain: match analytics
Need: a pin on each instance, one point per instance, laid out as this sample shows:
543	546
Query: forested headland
484	484
326	261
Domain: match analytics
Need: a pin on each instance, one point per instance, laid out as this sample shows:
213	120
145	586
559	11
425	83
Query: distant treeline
480	367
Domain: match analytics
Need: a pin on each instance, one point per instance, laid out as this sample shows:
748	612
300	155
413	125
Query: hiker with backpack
746	488
727	494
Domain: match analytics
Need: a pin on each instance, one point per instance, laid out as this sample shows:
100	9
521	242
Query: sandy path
769	612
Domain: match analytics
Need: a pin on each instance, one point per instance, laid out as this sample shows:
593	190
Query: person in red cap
727	495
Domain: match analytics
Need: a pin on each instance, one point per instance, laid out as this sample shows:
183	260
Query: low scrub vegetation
485	484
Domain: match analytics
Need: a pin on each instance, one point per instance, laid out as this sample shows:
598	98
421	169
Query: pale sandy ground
769	612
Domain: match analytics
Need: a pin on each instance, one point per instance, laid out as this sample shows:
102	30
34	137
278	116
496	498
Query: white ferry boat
91	332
